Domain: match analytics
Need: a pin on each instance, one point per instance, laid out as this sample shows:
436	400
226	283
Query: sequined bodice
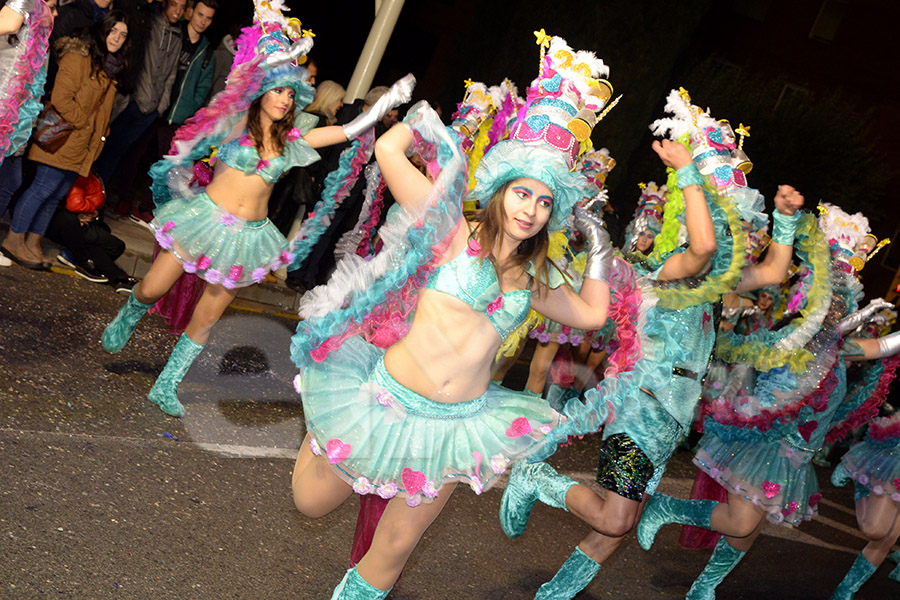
474	281
241	154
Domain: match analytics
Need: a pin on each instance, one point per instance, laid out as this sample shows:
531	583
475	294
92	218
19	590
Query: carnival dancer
581	357
411	422
220	231
874	466
648	407
759	446
25	27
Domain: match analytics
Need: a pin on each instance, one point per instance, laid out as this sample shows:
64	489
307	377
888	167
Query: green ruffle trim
667	239
758	348
728	261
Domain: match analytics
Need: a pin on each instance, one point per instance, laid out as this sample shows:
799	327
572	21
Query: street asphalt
104	496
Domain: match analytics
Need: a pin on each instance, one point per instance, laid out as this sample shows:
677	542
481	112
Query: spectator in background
194	77
391	119
153	89
320	263
83	94
75	18
312	70
328	101
89	246
224	57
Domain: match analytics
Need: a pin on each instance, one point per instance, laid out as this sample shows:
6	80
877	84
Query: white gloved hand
299	48
599	248
400	93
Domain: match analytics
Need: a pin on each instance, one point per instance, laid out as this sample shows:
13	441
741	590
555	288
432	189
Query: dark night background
816	80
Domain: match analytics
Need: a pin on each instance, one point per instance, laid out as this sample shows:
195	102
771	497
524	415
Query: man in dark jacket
153	89
194	77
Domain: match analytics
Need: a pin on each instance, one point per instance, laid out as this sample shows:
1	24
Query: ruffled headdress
648	215
551	130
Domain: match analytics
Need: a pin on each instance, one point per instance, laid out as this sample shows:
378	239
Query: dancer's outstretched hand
399	93
673	154
788	200
299	48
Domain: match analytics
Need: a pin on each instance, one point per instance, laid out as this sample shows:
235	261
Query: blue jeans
35	208
10	180
124	131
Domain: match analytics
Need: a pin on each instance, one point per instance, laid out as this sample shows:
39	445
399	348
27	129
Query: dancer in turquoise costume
874	467
759	447
215	225
25	27
406	409
650	405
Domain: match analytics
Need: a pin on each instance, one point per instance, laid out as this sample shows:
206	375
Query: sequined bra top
474	281
241	154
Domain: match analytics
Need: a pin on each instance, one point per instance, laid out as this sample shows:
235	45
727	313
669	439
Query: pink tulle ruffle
868	410
27	68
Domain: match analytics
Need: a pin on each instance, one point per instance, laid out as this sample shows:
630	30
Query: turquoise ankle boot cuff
354	587
858	574
119	331
723	560
576	573
164	392
662	510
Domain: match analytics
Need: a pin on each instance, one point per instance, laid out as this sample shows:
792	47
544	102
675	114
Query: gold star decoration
468	82
822	209
642	185
743	130
543	40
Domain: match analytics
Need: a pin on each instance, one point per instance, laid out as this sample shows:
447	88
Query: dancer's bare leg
163	274
743	544
399	531
737	518
600	546
879	520
613	516
209	310
540	364
317	489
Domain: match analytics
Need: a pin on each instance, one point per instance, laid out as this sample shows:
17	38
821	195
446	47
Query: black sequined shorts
623	468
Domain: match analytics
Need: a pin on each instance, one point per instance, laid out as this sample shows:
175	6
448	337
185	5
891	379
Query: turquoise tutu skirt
383	438
873	466
775	476
219	247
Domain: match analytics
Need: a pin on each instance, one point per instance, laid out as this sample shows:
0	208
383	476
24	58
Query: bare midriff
244	196
448	353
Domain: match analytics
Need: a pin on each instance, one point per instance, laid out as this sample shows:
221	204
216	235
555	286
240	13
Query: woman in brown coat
83	95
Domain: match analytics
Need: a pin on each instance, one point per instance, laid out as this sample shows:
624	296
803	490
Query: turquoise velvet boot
527	484
117	333
722	561
354	587
662	510
575	575
895	574
858	574
165	391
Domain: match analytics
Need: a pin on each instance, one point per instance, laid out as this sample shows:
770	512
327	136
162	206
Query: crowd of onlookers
126	74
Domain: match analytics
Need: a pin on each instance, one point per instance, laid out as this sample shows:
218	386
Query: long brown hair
278	130
489	234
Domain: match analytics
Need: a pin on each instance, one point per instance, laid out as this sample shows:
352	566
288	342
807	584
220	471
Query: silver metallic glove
599	248
399	93
863	316
889	345
299	48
